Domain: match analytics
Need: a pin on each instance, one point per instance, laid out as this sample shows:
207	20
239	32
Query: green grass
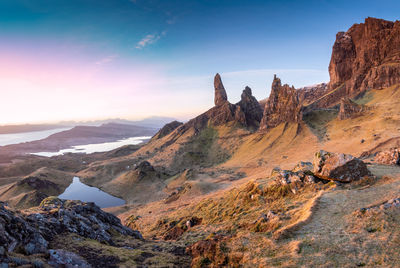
318	120
365	98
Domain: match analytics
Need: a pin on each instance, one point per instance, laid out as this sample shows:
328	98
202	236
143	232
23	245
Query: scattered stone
299	175
390	157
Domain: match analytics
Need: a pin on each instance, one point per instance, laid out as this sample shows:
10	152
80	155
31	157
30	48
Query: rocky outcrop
283	106
165	130
250	107
291	177
366	56
389	157
30	232
339	167
223	112
220	93
348	109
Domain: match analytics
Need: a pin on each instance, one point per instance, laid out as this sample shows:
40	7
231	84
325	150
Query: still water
80	191
95	148
14	138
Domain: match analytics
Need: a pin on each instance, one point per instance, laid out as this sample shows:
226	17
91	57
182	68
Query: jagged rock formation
348	108
223	112
168	128
220	93
283	106
366	56
251	108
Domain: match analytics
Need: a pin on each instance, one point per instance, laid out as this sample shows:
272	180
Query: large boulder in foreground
339	167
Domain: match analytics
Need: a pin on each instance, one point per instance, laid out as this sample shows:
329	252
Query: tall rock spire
282	106
220	93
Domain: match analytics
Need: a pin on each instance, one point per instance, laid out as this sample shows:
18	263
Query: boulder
339	167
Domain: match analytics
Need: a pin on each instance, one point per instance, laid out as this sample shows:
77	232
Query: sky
94	59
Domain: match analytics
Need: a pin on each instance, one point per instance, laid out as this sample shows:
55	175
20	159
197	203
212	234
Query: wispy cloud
107	59
149	39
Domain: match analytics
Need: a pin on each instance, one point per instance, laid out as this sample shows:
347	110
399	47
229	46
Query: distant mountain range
151	122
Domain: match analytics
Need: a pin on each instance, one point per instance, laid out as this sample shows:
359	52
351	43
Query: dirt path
328	241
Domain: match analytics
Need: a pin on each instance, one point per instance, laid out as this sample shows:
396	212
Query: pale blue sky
134	58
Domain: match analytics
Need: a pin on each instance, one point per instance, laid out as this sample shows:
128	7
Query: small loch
80	191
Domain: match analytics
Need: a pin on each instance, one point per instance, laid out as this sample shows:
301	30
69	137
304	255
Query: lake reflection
80	191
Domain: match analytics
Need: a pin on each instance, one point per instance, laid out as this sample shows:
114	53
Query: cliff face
366	56
282	106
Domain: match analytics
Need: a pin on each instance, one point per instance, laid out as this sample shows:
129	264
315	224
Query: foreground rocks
326	166
30	232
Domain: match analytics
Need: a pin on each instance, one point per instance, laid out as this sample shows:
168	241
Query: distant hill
151	122
79	135
9	129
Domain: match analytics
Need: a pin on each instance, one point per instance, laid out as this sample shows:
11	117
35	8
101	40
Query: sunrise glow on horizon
134	59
